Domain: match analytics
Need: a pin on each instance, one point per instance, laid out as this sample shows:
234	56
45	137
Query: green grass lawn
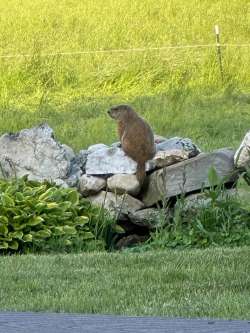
179	90
197	283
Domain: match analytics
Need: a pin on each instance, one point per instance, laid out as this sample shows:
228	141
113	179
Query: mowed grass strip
197	283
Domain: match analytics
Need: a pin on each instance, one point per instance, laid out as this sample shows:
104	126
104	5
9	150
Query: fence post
218	46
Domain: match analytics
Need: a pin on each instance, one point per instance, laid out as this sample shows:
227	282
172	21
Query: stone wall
106	176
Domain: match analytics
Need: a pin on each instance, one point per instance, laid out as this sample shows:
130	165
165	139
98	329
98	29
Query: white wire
7	56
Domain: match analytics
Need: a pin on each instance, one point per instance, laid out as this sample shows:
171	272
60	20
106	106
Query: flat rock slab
16	322
189	175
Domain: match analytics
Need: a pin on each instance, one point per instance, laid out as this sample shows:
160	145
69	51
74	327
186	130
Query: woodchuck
136	136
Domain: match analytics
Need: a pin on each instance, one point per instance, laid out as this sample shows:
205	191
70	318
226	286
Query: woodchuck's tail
141	172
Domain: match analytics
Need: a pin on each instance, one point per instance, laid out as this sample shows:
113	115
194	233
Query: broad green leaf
87	235
19	196
58	231
65	205
40	206
67	242
52	205
13	245
42	234
12	210
47	194
10	190
4	219
27	192
81	220
73	197
118	229
3	229
27	238
68	214
4	245
7	200
16	234
69	230
20	218
6	238
35	220
38	189
18	226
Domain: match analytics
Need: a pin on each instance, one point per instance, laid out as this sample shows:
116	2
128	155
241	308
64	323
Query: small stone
116	204
61	183
169	157
159	138
89	185
95	147
116	144
124	184
177	143
150	218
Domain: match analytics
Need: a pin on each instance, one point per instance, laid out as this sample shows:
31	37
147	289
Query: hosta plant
34	215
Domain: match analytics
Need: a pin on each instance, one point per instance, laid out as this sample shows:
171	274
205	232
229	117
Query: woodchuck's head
120	112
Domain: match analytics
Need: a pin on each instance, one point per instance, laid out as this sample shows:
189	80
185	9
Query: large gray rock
89	185
35	152
189	175
105	160
118	205
242	155
124	184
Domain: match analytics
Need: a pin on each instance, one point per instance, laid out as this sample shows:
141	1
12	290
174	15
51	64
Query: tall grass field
179	90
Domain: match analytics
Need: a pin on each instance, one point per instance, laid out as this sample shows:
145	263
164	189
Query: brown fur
136	137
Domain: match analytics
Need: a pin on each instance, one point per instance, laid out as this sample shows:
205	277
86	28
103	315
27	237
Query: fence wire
131	50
